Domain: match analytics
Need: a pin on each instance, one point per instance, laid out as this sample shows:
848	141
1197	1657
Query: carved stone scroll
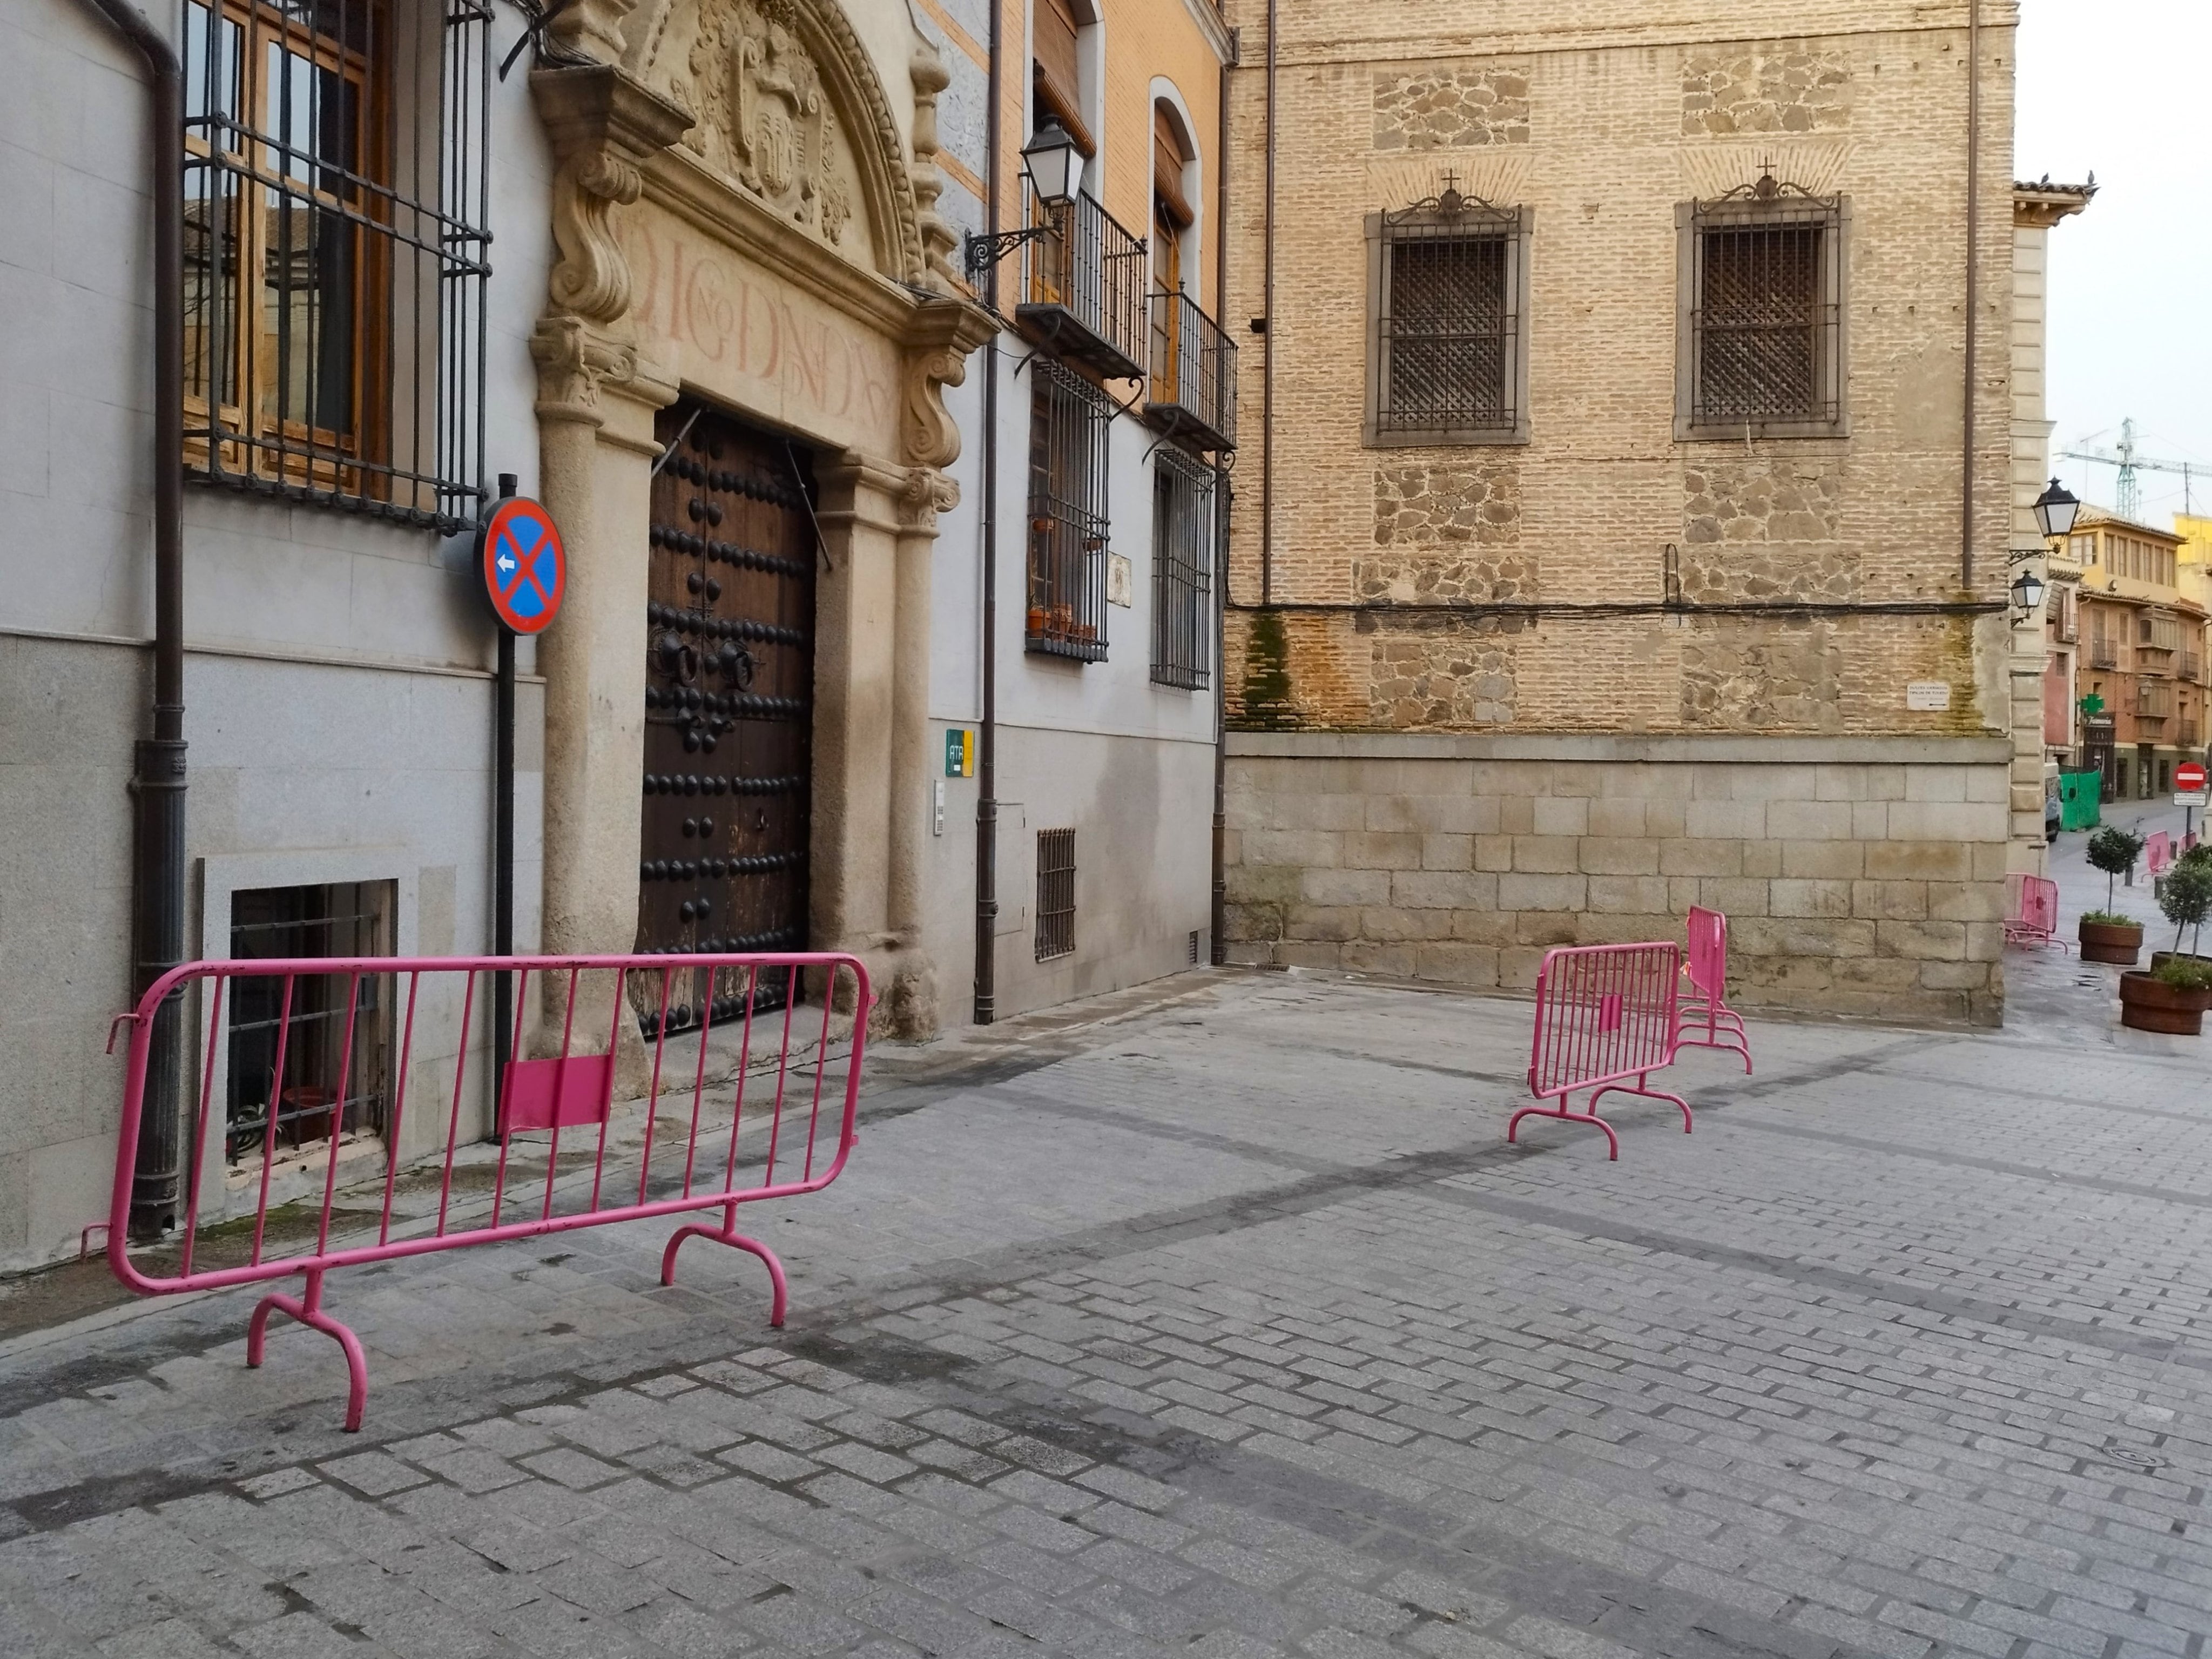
603	125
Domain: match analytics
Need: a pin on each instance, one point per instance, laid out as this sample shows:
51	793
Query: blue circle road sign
525	568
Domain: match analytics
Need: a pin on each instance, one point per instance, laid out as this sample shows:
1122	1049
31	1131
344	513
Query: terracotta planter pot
2147	1006
2112	941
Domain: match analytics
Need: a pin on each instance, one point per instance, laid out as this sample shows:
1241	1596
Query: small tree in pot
2186	898
2105	935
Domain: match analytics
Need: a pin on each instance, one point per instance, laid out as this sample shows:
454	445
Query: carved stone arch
708	55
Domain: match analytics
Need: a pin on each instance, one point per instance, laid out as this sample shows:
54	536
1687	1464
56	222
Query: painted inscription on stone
729	324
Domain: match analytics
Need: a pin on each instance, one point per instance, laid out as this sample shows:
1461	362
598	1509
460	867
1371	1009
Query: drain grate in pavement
2135	1457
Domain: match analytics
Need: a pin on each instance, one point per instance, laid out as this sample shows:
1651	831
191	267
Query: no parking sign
525	569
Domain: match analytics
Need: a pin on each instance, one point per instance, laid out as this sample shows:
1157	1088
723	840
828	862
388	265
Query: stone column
855	608
913	994
597	397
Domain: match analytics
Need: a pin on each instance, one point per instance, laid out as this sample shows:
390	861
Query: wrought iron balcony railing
2188	735
2103	653
1193	383
2152	702
1082	286
2190	666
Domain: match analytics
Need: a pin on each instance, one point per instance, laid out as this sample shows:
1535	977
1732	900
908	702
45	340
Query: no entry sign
2189	779
525	568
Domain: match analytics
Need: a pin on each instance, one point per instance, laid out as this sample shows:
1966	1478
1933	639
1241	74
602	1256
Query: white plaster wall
337	690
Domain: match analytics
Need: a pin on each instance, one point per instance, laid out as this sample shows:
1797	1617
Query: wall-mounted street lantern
2054	510
2027	593
1053	165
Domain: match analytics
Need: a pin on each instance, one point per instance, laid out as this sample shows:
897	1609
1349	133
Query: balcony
2188	734
1083	287
1193	384
2189	668
2153	703
2104	654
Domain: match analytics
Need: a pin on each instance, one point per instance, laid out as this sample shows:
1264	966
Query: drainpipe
987	794
1973	283
1218	909
1267	362
157	779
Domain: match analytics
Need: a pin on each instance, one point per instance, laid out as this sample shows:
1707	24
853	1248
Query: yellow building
2139	640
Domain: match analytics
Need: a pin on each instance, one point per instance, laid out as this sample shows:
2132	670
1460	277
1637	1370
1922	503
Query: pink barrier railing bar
2158	852
2031	911
1703	1018
781	1052
1605	1013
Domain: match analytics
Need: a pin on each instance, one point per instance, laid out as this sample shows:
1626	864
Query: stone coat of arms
765	118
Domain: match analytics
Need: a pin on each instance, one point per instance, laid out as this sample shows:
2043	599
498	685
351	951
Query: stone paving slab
1219	1319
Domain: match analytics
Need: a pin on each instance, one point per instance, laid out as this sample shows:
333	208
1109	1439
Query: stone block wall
1860	876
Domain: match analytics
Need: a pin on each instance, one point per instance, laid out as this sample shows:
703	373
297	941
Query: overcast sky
2121	86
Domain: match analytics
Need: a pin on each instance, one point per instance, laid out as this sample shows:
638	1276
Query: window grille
1183	541
301	1024
1447	278
1068	422
1765	288
1055	902
335	254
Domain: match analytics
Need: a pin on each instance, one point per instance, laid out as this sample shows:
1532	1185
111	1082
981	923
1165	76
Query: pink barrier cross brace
544	1096
2158	852
1704	1004
1604	1013
2031	911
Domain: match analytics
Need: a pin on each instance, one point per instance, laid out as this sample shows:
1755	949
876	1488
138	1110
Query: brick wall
1511	592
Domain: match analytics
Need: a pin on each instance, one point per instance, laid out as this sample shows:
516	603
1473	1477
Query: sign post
2189	793
525	571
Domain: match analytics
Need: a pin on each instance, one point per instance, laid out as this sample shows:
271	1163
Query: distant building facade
1608	438
2139	641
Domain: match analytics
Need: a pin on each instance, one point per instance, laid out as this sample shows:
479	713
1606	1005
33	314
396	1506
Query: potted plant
2105	935
2172	999
2185	896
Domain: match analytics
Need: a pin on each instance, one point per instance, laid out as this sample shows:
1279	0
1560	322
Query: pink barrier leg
727	1233
1650	1094
1564	1112
308	1311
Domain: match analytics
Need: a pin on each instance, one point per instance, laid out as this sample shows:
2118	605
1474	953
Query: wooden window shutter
1055	29
1169	157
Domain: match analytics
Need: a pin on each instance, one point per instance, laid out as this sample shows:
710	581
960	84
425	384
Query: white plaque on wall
1929	697
1119	579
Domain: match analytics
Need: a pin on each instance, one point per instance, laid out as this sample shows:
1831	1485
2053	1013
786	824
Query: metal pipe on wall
1973	286
1267	351
1218	905
157	780
987	741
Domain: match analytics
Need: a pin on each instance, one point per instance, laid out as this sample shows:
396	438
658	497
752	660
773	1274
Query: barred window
1068	422
1056	896
1762	314
335	253
1183	542
1448	353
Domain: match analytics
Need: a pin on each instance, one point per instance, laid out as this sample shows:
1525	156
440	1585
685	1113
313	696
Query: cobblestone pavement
1217	1320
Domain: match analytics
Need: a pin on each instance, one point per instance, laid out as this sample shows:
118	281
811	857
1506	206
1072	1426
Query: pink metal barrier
2031	911
359	1052
2158	852
1604	1013
1703	1018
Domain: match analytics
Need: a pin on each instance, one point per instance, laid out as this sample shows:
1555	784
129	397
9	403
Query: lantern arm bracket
985	250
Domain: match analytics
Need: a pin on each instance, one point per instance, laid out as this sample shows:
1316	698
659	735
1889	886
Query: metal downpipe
157	780
986	742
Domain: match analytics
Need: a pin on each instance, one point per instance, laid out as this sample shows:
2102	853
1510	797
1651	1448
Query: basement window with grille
1760	345
1183	542
1448	344
1056	894
309	1054
1069	419
335	197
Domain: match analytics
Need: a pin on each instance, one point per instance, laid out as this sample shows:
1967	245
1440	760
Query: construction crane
2124	457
